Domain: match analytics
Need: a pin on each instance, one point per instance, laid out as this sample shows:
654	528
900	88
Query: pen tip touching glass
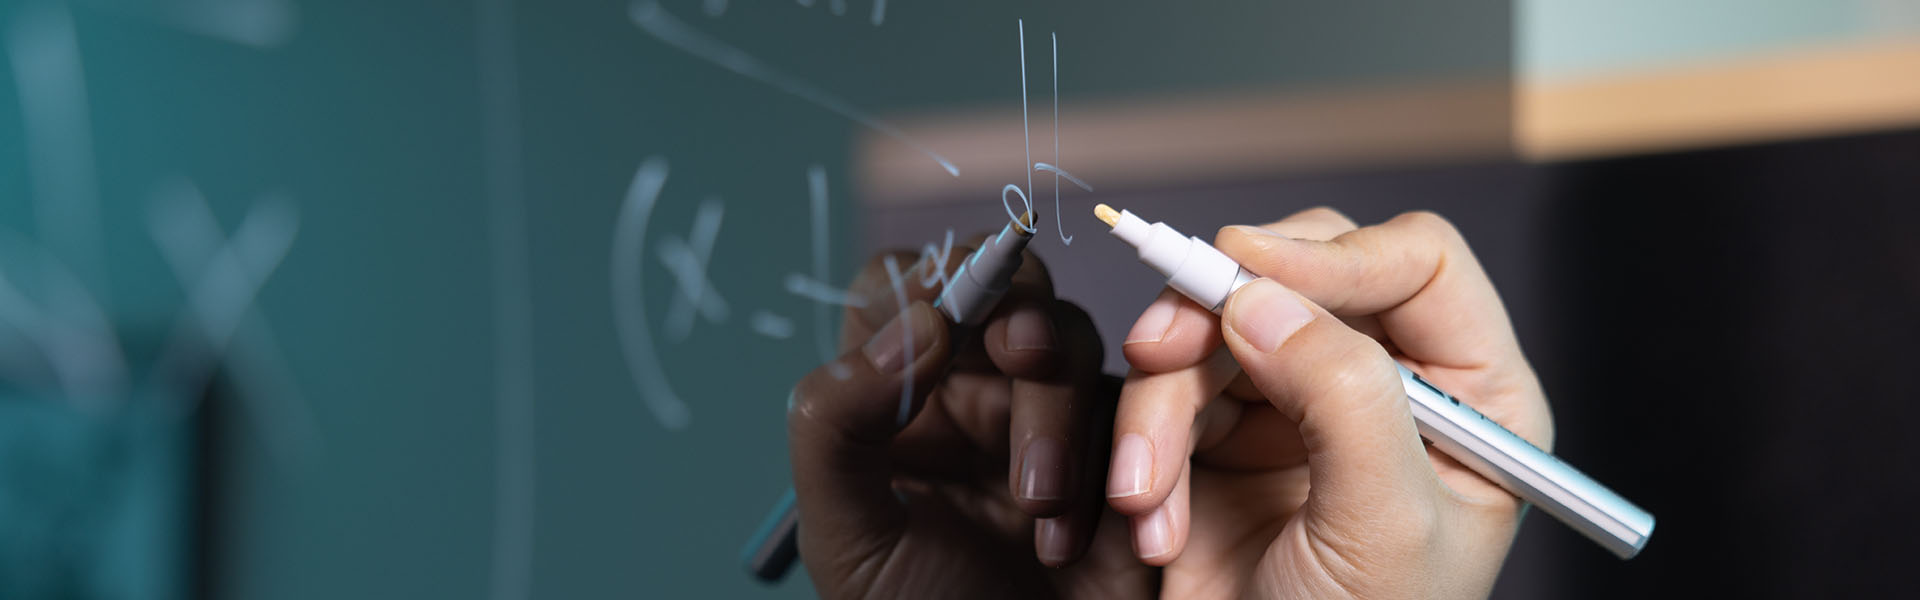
1107	214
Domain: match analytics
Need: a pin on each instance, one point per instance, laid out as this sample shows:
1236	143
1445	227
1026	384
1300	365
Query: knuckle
803	420
1425	219
834	379
1430	223
1359	366
825	410
803	401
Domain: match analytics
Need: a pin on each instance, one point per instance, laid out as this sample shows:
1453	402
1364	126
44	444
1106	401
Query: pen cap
1192	266
1206	275
1134	231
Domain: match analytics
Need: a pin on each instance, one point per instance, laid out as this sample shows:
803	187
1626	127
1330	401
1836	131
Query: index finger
1414	272
1416	276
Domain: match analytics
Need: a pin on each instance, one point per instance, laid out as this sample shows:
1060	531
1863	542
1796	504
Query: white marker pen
1203	273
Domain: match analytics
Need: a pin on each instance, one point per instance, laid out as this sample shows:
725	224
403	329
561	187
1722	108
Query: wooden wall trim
1173	141
1808	92
1125	144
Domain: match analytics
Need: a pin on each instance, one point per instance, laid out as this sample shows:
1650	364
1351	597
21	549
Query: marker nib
1107	215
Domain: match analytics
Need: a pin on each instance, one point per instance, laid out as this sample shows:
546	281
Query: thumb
842	422
1367	467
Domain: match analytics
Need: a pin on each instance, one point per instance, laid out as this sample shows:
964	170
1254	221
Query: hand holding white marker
1316	446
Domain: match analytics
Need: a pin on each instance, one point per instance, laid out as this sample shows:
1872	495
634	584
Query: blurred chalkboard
444	254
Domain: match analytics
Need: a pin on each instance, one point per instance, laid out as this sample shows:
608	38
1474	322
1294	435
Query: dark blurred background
498	299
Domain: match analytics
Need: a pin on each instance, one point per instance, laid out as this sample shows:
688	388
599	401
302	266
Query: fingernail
1265	314
1255	231
1132	467
1029	329
1043	472
1050	540
1153	536
887	350
1153	323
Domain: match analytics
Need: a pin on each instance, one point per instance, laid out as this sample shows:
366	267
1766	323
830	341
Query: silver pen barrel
1525	470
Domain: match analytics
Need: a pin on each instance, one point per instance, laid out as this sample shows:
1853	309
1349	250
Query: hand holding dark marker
992	487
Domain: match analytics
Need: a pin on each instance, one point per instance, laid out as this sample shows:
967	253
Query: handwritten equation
696	298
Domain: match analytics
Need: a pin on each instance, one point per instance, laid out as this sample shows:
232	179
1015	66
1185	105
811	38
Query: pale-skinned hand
1271	451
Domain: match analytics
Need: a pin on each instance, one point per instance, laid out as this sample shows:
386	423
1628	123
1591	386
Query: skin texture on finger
1173	333
1160	534
1449	558
1063	540
1110	570
839	432
1238	515
1067	539
1370	477
1434	303
1051	421
1259	439
1319	223
1021	337
1074	411
1155	431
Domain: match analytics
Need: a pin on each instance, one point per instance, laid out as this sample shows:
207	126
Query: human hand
1298	471
1001	459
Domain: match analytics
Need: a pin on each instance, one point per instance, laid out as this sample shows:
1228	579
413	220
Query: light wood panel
1126	144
